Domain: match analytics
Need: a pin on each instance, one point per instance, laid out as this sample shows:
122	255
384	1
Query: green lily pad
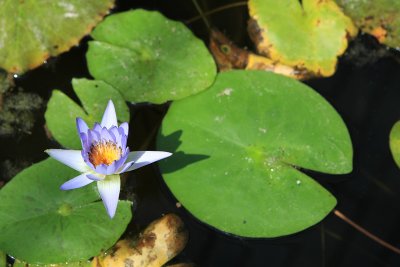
62	111
39	223
394	142
149	58
237	165
3	259
379	18
19	263
33	30
307	35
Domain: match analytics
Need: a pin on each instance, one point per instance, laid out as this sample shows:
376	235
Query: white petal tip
111	214
109	117
109	192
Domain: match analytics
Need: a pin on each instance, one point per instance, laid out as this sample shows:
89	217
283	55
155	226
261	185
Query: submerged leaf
379	18
149	58
62	111
33	30
236	164
39	223
307	35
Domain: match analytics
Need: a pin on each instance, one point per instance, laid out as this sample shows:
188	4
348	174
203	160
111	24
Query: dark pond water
365	91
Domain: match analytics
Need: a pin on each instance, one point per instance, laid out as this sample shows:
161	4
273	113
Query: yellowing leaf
308	35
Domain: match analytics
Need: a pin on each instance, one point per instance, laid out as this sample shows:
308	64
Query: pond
364	90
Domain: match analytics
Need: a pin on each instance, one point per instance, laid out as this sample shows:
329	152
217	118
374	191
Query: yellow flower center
105	152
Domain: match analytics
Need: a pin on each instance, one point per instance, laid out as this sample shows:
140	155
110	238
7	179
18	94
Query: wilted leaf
379	18
161	241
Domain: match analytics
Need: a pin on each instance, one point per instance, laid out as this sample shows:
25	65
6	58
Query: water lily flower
104	156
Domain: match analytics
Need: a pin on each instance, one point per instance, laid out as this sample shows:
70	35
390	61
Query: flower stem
366	232
218	9
201	14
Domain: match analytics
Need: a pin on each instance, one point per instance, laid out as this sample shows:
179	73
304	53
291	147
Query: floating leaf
62	111
19	263
379	18
39	223
3	259
236	165
149	58
33	30
307	35
394	142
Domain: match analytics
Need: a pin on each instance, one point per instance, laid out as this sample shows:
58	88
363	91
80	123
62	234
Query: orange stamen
105	152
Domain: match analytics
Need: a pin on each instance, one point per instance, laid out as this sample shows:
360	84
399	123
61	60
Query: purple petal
112	134
84	142
94	137
123	141
109	192
102	169
76	182
125	127
126	166
81	126
95	177
110	117
120	162
105	135
97	127
143	158
118	136
111	168
71	158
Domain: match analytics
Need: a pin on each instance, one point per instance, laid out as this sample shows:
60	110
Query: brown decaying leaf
161	241
228	56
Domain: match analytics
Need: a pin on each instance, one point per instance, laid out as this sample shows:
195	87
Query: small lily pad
33	30
149	58
307	34
379	18
39	223
394	142
237	164
62	111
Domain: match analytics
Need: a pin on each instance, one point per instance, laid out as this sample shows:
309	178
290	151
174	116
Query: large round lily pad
307	35
379	18
239	150
149	58
62	111
39	223
33	30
